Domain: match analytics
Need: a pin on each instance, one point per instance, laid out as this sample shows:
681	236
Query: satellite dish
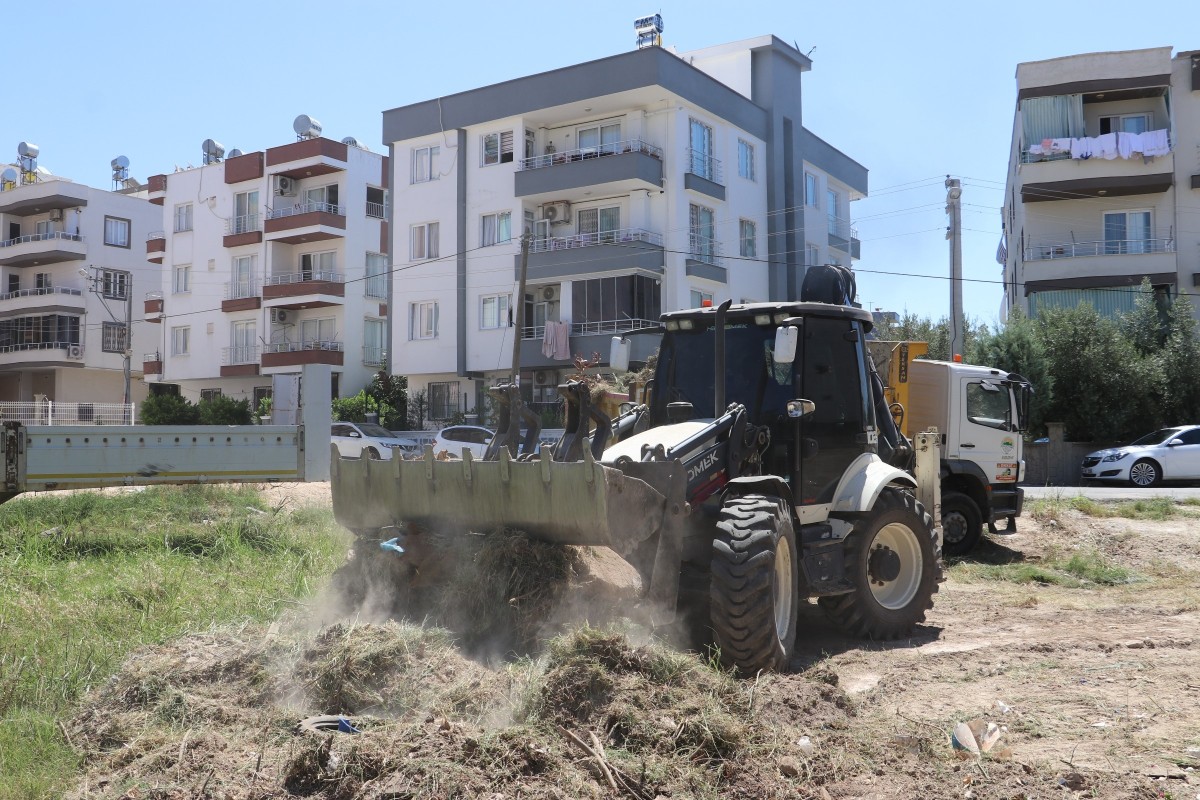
234	153
351	141
28	150
120	162
306	127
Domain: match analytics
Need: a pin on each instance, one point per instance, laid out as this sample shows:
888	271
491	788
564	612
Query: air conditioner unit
549	292
279	315
285	186
56	215
74	351
543	377
557	212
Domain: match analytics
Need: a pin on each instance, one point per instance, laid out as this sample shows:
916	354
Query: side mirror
618	358
355	435
625	408
1174	443
799	409
786	339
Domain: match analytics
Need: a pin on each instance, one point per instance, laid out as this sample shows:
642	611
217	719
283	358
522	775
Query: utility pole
519	313
98	277
954	235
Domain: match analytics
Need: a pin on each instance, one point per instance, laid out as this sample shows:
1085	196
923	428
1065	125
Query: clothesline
1107	146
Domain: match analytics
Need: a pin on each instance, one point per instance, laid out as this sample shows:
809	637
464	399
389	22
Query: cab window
988	405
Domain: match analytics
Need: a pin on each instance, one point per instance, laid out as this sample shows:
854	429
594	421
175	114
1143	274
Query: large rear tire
962	524
754	590
895	569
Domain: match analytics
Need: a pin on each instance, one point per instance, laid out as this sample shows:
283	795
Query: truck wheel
962	524
890	559
754	595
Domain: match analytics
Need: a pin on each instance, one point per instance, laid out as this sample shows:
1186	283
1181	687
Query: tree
390	393
418	406
1181	365
912	328
1017	347
356	408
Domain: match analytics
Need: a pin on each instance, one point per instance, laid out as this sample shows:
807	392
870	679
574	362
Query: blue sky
913	91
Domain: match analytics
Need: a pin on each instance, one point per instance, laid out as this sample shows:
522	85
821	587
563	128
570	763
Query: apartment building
269	260
70	261
649	181
1104	180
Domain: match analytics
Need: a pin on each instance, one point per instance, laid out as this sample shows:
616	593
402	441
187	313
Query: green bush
168	409
222	410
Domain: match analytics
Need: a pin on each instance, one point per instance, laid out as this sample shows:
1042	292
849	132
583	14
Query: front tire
891	561
371	454
754	592
1145	474
962	524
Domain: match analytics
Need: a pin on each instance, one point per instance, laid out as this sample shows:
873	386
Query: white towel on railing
548	340
562	340
1156	143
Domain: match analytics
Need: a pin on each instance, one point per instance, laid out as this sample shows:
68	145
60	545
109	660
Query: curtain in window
610	223
1058	117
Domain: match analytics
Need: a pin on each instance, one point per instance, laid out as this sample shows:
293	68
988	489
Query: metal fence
49	412
598	151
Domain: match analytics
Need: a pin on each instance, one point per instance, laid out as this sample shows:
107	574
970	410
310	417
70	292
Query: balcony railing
373	356
41	291
610	149
624	325
703	164
1124	145
55	345
296	347
842	228
248	286
152	235
42	237
244	223
1108	247
376	210
304	277
49	412
242	354
375	287
622	236
702	248
305	208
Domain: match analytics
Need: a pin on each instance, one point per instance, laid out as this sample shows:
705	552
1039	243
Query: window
833	211
243	283
424	164
14	282
317	334
183	217
497	148
1127	232
812	255
318	266
373	352
988	405
599	138
245	212
699	298
116	232
424	241
261	393
620	301
1125	123
700	156
443	400
810	189
598	225
243	342
376	283
323	198
494	311
41	280
423	320
183	279
42	228
495	228
376	202
112	338
209	394
114	284
180	340
745	160
747	239
701	239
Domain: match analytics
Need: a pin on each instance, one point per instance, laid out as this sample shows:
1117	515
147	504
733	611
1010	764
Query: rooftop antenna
649	31
306	127
8	179
120	172
27	153
213	151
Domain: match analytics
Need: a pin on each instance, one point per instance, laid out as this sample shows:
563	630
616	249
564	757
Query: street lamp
116	284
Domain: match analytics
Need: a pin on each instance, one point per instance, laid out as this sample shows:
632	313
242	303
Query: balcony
570	256
306	222
308	157
244	294
243	230
156	188
705	174
374	356
45	300
240	361
39	249
42	354
704	259
246	167
588	338
156	246
282	355
41	197
152	364
1062	175
844	236
1099	259
616	168
153	311
305	290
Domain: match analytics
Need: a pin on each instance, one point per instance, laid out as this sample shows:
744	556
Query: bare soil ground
1094	689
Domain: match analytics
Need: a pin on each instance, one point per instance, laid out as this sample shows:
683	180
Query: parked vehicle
1165	455
368	440
457	438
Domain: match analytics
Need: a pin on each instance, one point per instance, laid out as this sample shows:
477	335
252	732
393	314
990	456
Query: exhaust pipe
719	377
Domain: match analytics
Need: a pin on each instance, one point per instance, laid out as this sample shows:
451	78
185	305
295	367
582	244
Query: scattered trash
963	739
977	737
1166	772
327	723
1073	781
1102	724
393	545
805	746
990	737
1003	707
1193	752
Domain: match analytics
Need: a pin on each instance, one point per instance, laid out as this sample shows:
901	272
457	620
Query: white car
368	440
457	438
1169	454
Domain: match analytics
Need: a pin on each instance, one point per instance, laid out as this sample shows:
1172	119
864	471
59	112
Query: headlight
1114	456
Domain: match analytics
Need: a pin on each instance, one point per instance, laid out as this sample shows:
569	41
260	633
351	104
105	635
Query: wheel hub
884	565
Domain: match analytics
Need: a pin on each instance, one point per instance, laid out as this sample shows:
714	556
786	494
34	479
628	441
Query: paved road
1111	492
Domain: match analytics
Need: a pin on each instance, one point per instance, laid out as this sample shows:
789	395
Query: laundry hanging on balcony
556	341
1108	146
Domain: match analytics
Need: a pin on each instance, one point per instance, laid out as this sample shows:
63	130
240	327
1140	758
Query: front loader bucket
573	503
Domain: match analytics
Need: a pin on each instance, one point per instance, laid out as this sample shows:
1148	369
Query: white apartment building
270	260
70	261
650	181
1103	180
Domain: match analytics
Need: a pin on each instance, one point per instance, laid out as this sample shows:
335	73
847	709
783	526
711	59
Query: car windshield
378	431
1158	437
